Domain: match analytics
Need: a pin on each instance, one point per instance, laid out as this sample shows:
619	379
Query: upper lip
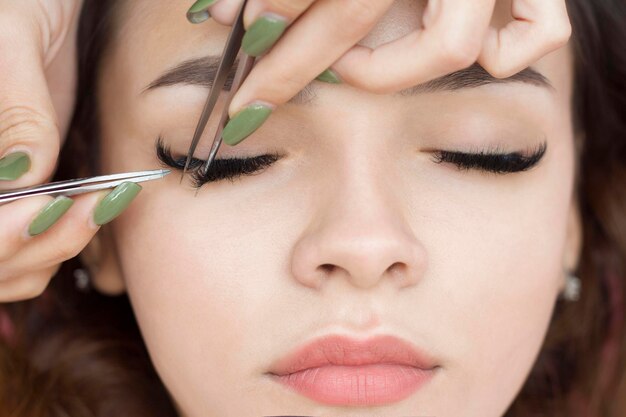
343	350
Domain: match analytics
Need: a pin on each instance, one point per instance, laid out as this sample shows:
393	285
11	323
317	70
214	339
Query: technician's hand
37	80
302	38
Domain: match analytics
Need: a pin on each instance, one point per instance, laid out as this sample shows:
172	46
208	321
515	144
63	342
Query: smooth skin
37	40
37	94
37	64
355	230
455	34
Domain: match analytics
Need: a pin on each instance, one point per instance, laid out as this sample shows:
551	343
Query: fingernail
14	166
245	122
49	215
263	34
199	12
114	203
329	76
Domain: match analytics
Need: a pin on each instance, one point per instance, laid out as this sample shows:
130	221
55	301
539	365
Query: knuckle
5	253
457	52
5	274
560	34
285	86
289	8
497	69
35	286
370	78
64	252
378	86
19	122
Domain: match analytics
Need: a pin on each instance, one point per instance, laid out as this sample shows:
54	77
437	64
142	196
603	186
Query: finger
290	10
451	40
65	240
225	11
266	21
26	287
222	11
14	220
29	138
539	27
293	63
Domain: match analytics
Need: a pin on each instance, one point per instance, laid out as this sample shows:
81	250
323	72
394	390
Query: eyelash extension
220	169
492	161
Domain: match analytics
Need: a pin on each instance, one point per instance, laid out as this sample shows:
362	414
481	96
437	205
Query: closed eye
220	169
492	161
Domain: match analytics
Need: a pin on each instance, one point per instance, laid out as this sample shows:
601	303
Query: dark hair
81	354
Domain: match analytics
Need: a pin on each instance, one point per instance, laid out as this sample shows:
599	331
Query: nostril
397	268
327	268
398	271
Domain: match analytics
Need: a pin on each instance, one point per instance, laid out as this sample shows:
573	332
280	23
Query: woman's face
355	230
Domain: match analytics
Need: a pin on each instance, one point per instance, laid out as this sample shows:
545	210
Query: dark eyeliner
220	169
492	161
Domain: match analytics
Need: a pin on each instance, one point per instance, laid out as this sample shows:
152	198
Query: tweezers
81	185
246	62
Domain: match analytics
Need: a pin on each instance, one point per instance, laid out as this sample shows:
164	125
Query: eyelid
493	160
221	168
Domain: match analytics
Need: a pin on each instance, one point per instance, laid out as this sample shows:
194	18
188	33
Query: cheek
200	279
497	263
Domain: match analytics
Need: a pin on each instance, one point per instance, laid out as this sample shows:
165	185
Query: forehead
154	36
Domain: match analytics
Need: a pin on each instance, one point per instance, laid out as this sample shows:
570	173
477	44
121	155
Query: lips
345	351
337	370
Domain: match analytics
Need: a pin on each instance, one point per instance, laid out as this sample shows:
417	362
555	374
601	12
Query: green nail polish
329	76
49	215
198	13
14	166
245	123
263	34
114	203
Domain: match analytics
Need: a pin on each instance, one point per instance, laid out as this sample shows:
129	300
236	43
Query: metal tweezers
246	62
81	185
84	185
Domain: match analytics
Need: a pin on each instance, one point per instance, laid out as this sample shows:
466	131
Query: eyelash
233	168
220	169
492	161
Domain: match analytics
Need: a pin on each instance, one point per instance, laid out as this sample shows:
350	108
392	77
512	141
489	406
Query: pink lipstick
338	370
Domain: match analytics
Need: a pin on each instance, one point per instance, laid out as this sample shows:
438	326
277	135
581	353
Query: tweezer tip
186	168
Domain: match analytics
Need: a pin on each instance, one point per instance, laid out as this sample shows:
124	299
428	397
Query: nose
361	235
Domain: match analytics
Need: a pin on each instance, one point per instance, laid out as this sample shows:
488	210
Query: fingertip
86	206
224	11
26	164
14	164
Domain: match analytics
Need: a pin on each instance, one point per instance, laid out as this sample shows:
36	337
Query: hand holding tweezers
81	185
246	62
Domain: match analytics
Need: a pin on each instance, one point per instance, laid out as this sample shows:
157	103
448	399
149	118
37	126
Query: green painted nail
198	13
114	203
14	166
49	215
245	123
263	33
329	76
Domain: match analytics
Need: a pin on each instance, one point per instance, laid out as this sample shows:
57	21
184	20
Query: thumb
29	134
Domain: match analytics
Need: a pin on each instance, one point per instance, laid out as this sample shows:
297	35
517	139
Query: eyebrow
201	72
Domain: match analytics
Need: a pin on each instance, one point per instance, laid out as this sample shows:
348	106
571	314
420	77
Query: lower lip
375	384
